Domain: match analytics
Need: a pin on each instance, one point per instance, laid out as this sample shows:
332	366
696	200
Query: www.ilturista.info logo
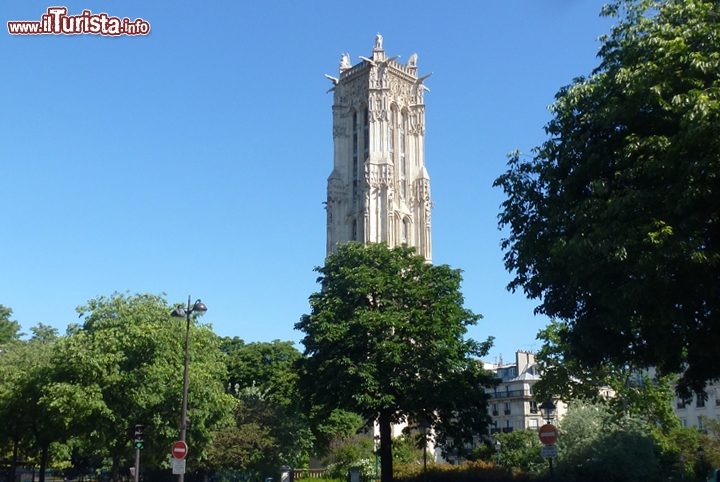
57	21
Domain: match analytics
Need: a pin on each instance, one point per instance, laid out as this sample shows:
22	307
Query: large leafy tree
597	445
269	429
30	425
124	366
270	366
385	339
614	224
9	329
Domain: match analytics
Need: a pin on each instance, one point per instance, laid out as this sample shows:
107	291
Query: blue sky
194	160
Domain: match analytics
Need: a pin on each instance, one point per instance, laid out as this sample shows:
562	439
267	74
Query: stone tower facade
379	189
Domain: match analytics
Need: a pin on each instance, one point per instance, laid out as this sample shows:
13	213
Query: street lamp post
548	410
180	311
498	447
701	456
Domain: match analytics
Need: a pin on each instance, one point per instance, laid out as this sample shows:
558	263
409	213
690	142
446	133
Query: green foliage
266	434
268	365
124	366
520	450
31	427
408	449
619	386
614	221
385	340
334	430
9	329
596	445
358	452
478	471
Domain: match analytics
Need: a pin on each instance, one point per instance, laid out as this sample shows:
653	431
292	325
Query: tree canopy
124	366
385	339
9	329
614	223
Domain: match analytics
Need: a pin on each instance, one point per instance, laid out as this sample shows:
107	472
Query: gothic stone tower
379	189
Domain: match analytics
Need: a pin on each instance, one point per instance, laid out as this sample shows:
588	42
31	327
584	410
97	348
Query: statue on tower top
378	42
412	61
345	62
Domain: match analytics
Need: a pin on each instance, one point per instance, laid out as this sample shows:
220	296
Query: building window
717	395
494	410
701	423
533	406
405	231
507	408
699	401
354	230
534	424
683	422
680	404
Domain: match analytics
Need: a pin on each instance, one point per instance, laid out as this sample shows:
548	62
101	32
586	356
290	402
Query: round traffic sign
548	434
179	450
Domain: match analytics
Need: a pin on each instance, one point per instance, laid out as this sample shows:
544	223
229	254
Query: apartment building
512	405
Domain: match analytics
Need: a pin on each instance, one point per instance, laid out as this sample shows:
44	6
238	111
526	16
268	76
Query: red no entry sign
179	450
548	434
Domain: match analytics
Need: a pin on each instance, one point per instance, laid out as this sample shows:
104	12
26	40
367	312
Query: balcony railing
495	413
494	431
507	429
511	394
507	412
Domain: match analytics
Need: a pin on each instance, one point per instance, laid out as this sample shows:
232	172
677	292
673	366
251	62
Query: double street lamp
180	311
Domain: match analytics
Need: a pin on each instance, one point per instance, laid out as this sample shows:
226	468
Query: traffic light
139	436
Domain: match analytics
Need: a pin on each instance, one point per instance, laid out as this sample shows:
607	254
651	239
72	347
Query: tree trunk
386	462
115	471
44	453
13	465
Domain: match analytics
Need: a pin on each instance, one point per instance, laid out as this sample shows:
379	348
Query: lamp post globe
548	410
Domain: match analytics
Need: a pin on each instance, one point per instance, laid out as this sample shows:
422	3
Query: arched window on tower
354	230
406	231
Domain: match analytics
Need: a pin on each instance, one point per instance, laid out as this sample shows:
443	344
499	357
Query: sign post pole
137	464
548	436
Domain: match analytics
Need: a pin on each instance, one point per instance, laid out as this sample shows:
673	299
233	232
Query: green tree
621	387
385	340
30	425
267	434
124	366
594	444
519	450
614	224
270	366
9	329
